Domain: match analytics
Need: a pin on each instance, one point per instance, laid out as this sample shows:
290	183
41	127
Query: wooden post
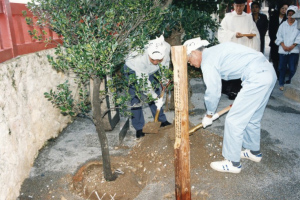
182	145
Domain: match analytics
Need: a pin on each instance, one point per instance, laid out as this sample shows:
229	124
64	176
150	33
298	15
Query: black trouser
274	55
231	87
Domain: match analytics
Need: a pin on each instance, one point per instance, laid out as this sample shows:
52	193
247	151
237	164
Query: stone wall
27	119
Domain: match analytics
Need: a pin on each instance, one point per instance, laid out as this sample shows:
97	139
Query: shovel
153	127
220	113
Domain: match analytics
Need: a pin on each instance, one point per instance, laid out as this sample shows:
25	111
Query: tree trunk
191	105
108	175
169	104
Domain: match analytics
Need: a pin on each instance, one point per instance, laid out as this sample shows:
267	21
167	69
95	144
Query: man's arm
224	34
255	41
253	29
296	42
212	80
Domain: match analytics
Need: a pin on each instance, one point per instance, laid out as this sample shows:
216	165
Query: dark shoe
139	133
288	82
232	95
166	123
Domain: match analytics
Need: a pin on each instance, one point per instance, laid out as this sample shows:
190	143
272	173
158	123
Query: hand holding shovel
153	127
215	116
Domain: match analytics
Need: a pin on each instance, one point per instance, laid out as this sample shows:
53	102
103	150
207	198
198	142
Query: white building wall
27	118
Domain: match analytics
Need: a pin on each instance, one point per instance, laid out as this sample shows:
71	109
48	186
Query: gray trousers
242	124
137	117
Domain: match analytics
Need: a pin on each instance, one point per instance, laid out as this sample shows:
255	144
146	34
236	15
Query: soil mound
150	161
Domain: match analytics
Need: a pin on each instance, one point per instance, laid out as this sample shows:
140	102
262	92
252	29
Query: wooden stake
182	145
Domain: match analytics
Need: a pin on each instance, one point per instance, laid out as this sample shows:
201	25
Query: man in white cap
146	64
242	126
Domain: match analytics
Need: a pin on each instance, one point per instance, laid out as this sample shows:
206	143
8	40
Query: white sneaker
225	166
248	155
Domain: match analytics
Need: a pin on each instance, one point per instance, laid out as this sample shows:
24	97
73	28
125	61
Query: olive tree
97	36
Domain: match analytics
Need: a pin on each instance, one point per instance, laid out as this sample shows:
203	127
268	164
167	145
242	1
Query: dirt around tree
150	161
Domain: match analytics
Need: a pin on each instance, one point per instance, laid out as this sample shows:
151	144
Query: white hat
157	48
194	44
293	8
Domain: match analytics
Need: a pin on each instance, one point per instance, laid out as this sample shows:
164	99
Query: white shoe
225	166
248	155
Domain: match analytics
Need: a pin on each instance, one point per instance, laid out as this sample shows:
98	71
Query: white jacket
227	61
289	35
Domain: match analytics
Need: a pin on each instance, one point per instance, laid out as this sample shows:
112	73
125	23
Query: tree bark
97	117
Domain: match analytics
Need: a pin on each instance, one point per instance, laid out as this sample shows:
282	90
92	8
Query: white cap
157	48
194	44
293	8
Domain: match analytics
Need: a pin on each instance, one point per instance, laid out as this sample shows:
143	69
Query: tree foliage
97	35
209	6
191	22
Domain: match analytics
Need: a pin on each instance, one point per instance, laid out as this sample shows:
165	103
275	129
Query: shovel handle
156	115
158	109
160	96
221	112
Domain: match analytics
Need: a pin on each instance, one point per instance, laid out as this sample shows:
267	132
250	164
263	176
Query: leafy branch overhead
97	35
102	31
191	23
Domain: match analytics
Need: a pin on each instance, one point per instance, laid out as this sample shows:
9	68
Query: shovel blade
151	127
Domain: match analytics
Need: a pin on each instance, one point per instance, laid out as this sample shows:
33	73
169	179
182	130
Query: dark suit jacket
273	26
262	26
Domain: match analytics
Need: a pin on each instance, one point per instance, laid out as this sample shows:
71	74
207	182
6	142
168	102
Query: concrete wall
27	119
